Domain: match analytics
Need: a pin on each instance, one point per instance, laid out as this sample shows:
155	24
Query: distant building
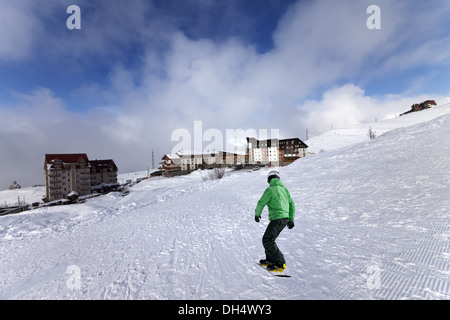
275	151
103	172
291	149
171	165
259	152
184	163
14	185
68	173
420	106
65	173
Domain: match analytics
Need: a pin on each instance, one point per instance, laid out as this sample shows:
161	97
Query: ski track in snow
372	222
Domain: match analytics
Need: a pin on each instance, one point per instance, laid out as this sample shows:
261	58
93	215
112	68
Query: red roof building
65	173
73	172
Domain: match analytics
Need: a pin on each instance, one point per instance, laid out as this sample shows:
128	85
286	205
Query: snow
372	222
342	137
24	195
122	178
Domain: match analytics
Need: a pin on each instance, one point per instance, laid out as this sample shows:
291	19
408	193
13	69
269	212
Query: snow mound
23	195
346	136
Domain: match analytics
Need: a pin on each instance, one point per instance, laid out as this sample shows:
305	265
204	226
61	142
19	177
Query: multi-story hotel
67	173
275	151
103	172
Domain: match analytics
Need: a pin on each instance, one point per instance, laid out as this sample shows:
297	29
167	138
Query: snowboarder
281	213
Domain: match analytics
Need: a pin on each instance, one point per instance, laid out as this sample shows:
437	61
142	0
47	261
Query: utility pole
153	159
307	138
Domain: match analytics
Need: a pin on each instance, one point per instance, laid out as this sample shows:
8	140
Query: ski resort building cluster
75	174
272	152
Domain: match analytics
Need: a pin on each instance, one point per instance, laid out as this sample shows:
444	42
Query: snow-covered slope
346	136
23	195
36	194
372	222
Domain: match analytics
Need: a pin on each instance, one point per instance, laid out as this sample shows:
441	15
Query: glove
290	224
257	218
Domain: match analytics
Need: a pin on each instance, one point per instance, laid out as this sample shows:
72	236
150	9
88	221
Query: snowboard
281	274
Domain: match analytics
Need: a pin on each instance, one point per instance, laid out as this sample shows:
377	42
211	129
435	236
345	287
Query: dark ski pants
273	254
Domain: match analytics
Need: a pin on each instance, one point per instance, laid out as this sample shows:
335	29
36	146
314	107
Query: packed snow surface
342	137
372	222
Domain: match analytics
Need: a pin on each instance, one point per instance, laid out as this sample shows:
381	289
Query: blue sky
140	69
251	21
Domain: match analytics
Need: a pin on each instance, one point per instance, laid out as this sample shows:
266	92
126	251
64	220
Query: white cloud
39	123
227	84
18	29
349	105
338	107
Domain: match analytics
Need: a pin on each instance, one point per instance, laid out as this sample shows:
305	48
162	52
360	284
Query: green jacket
278	200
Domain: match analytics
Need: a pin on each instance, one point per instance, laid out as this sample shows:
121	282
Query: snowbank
23	195
342	137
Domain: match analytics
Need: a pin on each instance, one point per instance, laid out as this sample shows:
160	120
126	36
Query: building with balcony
103	172
65	173
184	163
275	151
69	173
